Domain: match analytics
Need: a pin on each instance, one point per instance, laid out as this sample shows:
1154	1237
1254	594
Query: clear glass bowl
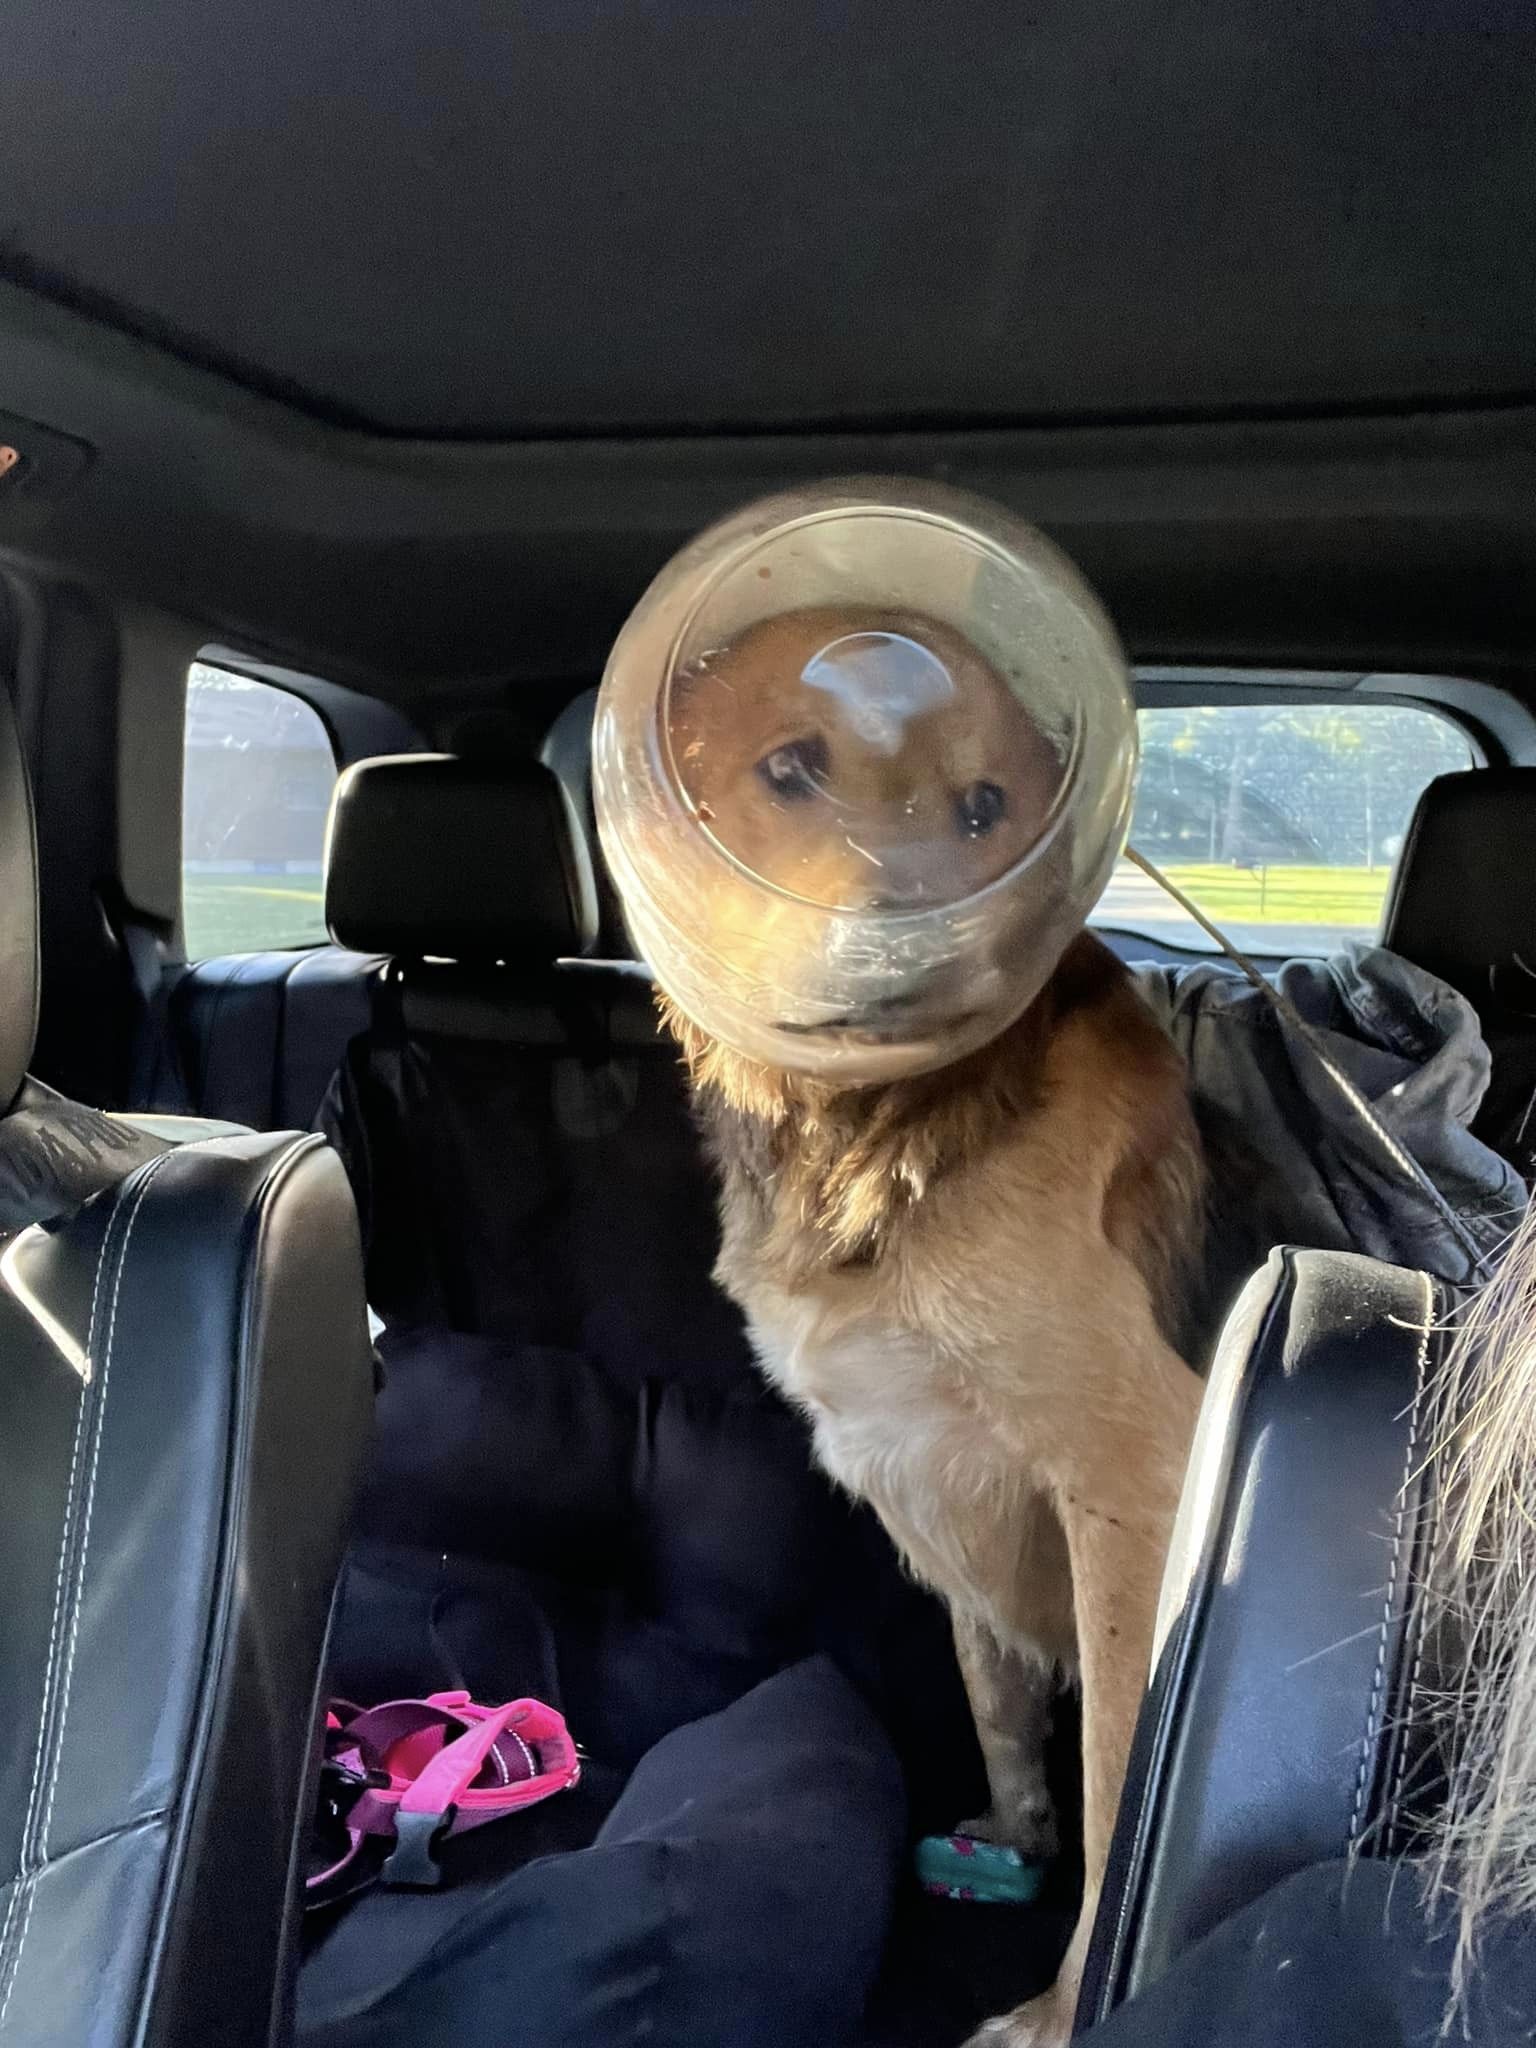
863	760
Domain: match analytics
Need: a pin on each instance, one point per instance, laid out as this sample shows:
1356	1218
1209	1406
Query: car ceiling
405	343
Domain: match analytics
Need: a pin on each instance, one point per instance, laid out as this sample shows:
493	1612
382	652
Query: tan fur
1483	1592
723	722
969	1281
965	1281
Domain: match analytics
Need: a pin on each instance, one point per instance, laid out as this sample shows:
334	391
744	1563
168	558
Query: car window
256	792
1281	822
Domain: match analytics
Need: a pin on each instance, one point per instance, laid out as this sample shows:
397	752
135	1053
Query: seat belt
155	1078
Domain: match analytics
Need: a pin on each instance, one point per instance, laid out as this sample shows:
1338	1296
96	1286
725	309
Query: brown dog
968	1280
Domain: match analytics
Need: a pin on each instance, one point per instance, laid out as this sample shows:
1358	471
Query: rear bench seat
540	1232
255	1038
581	1485
260	1034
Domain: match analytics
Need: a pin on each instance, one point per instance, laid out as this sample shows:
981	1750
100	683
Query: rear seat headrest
18	911
434	857
568	751
1461	903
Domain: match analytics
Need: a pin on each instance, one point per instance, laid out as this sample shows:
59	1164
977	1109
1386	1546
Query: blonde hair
1484	1860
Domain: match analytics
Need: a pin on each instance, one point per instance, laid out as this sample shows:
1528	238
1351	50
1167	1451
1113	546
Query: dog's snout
915	891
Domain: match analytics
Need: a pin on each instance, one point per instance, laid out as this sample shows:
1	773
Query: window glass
1281	822
256	792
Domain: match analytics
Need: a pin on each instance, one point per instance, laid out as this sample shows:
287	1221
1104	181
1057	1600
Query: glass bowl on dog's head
863	760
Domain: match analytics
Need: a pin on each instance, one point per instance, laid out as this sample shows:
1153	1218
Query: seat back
184	1388
1461	906
256	1037
1285	1723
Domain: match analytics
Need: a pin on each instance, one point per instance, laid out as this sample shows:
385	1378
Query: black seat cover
570	1403
184	1390
1285	1724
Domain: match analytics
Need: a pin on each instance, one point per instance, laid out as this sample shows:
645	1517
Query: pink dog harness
415	1772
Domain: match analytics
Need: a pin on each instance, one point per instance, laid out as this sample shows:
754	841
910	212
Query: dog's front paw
1030	1828
1046	2022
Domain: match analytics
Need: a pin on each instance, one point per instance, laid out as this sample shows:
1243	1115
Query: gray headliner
1237	303
528	218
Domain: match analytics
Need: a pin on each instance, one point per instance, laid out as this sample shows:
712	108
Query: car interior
358	1338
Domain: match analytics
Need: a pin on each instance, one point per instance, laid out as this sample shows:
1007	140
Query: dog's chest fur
924	1268
900	1423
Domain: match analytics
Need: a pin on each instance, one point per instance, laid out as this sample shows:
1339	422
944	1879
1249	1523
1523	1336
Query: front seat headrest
434	857
18	911
1461	901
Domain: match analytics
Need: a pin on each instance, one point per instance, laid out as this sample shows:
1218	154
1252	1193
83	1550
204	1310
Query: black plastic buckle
340	1789
412	1862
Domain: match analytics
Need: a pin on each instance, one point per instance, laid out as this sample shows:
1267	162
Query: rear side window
256	792
1281	822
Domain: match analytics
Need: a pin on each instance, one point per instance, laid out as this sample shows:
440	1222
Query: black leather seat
185	1385
1288	1719
257	1036
429	854
1462	906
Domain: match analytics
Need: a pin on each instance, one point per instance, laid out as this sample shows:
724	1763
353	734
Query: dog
971	1281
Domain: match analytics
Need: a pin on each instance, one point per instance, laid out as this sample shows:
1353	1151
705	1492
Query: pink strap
447	1779
422	1784
428	1773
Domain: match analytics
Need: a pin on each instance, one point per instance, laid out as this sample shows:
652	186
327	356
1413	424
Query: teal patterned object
955	1867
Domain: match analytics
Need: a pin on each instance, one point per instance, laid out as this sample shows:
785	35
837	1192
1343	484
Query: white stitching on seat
35	1857
1362	1774
90	1501
54	1628
1431	1512
1393	1815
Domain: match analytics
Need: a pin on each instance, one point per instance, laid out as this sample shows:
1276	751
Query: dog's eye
980	808
796	770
